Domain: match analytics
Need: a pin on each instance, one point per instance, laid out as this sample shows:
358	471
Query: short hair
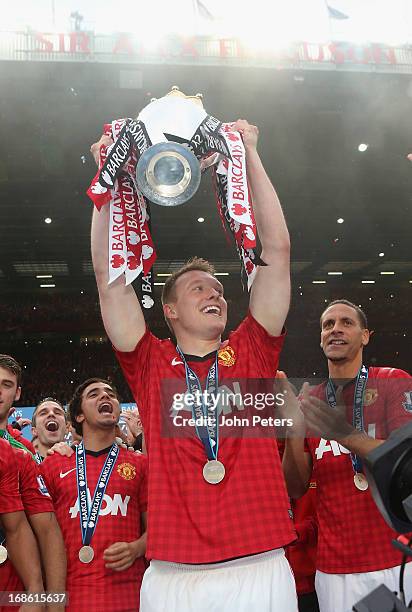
9	363
193	264
361	315
75	404
43	401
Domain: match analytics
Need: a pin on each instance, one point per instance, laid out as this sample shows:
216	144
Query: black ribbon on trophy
159	158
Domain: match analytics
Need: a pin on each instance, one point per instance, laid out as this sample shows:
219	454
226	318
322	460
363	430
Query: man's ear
18	394
80	418
169	311
365	337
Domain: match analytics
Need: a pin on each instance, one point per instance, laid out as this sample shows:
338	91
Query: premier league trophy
159	158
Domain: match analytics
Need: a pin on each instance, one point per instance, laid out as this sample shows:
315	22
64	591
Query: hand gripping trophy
159	158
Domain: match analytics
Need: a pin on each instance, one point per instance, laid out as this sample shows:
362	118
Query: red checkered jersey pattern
10	500
191	521
36	500
353	536
20	438
92	587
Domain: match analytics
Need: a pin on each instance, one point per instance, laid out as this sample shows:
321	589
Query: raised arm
121	312
270	295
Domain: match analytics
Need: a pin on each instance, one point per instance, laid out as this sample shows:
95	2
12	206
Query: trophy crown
175	91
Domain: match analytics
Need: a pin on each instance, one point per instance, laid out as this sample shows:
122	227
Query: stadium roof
311	124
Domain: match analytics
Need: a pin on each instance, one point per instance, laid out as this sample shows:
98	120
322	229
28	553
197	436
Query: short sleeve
136	364
34	492
398	404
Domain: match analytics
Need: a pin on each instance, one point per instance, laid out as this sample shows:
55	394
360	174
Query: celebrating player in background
238	526
49	425
100	496
351	413
10	388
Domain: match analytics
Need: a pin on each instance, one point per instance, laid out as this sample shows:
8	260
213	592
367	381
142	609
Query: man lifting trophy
218	510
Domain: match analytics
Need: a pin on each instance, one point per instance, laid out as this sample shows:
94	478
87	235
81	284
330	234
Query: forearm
270	222
52	550
297	466
139	546
359	443
121	313
24	554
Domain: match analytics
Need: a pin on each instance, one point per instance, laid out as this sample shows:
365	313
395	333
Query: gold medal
86	554
213	471
3	554
360	481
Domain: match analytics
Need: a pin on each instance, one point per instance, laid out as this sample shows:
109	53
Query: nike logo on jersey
175	361
64	474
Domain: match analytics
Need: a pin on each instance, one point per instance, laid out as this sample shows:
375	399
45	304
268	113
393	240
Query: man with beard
102	509
48	425
350	414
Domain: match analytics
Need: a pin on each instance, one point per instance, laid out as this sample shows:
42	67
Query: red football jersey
36	500
10	500
92	587
192	521
353	536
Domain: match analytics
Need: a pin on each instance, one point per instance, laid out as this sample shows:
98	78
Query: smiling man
49	425
99	492
10	392
350	414
218	508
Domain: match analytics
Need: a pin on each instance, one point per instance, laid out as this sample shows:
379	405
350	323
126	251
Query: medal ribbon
208	434
357	414
90	515
38	458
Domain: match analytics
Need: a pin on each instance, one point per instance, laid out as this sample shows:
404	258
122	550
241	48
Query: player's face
9	391
199	306
50	423
342	337
100	406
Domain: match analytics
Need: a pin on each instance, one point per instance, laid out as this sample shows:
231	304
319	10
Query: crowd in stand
54	363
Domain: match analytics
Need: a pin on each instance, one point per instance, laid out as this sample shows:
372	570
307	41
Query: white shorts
340	592
259	583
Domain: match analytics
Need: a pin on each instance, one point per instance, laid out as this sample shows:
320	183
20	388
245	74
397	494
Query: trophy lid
175	91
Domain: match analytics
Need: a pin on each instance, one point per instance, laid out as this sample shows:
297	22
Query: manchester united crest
371	395
126	471
226	356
